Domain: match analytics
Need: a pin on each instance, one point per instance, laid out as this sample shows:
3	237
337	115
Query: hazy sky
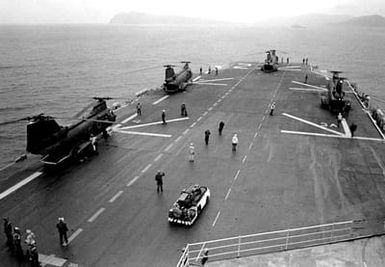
100	11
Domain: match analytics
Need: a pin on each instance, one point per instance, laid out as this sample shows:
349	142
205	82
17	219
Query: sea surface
57	69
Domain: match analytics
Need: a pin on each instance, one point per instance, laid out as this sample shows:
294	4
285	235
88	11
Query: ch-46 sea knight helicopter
177	82
57	143
271	62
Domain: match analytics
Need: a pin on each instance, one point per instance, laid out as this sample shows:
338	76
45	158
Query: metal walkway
261	243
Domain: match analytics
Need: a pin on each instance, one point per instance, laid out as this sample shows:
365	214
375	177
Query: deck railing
275	241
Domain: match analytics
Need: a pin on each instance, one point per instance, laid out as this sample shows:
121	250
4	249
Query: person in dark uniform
205	257
272	107
159	180
164	117
183	110
353	128
8	232
209	71
138	109
200	71
62	229
34	256
306	77
17	242
220	129
207	136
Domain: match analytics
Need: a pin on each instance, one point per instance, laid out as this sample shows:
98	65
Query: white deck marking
20	184
74	235
307	89
210	109
192	125
199	118
177	140
312	124
335	136
219	101
130	118
153	123
223	97
116	196
256	134
160	99
236	175
228	194
146	168
205	113
309	85
251	145
158	157
259	126
185	131
244	159
9	165
241	68
93	217
263	118
132	181
346	128
215	104
219	84
216	218
143	133
197	78
169	147
217	80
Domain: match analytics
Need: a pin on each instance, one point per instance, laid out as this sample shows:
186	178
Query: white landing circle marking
160	99
146	168
20	184
132	181
93	217
74	235
116	196
216	218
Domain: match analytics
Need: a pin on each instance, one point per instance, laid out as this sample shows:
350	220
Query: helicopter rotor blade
77	115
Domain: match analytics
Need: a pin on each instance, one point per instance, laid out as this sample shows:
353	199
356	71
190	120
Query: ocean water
57	69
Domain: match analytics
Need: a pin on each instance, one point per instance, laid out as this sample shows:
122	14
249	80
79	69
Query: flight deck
292	169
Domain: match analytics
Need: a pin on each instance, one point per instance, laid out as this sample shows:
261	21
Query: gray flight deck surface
275	180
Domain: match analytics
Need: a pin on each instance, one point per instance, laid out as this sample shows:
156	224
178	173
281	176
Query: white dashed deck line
20	184
312	124
215	104
74	235
152	123
228	194
251	145
210	109
177	140
158	157
169	147
116	196
146	168
192	125
259	126
263	118
160	100
143	133
244	159
205	113
236	175
256	134
132	181
216	218
96	215
185	131
199	118
130	118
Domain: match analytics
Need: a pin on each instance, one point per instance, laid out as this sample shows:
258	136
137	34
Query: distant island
143	18
298	22
368	21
